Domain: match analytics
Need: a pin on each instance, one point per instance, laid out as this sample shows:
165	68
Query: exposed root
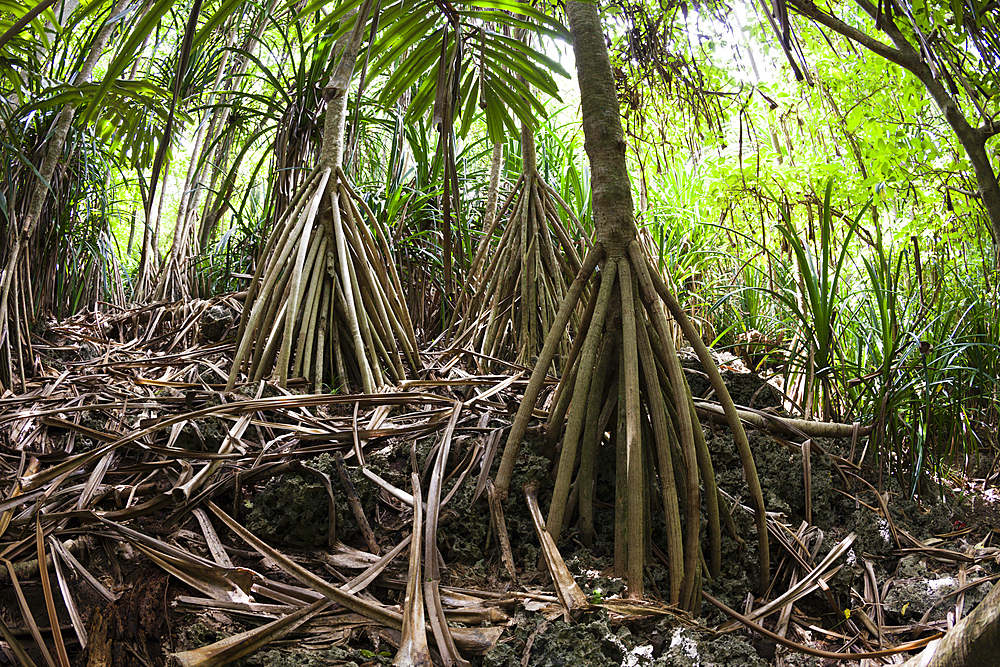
626	365
518	282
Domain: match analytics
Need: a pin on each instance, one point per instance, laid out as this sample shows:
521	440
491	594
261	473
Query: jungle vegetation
812	188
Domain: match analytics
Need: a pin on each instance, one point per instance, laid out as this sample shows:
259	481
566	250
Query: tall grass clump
798	304
877	331
816	354
927	361
746	316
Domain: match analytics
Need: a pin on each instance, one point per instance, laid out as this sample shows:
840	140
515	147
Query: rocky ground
115	449
917	589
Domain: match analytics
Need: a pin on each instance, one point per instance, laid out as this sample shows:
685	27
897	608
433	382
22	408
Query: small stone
216	322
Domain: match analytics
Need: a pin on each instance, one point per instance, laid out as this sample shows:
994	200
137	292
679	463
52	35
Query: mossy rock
746	389
203	435
588	643
293	509
689	648
325	658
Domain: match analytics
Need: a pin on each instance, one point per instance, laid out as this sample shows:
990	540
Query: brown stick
499	525
355	503
903	648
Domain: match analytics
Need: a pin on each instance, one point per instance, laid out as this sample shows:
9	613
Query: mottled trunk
602	130
40	187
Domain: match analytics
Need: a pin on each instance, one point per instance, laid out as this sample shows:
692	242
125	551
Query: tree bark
975	640
604	138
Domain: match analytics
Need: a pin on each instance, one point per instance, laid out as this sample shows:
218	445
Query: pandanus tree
263	143
47	178
197	219
175	276
623	363
324	285
517	283
174	281
50	54
326	301
467	66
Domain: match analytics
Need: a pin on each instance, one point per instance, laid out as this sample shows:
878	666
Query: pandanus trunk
518	282
326	301
15	278
623	384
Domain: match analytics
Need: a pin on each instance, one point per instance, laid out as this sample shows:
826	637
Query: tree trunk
623	362
973	140
325	285
974	641
40	189
604	138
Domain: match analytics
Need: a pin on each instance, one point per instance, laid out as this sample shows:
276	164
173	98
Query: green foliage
726	155
129	116
682	241
868	338
817	305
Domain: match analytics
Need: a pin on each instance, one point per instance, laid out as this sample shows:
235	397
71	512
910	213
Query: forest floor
174	516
